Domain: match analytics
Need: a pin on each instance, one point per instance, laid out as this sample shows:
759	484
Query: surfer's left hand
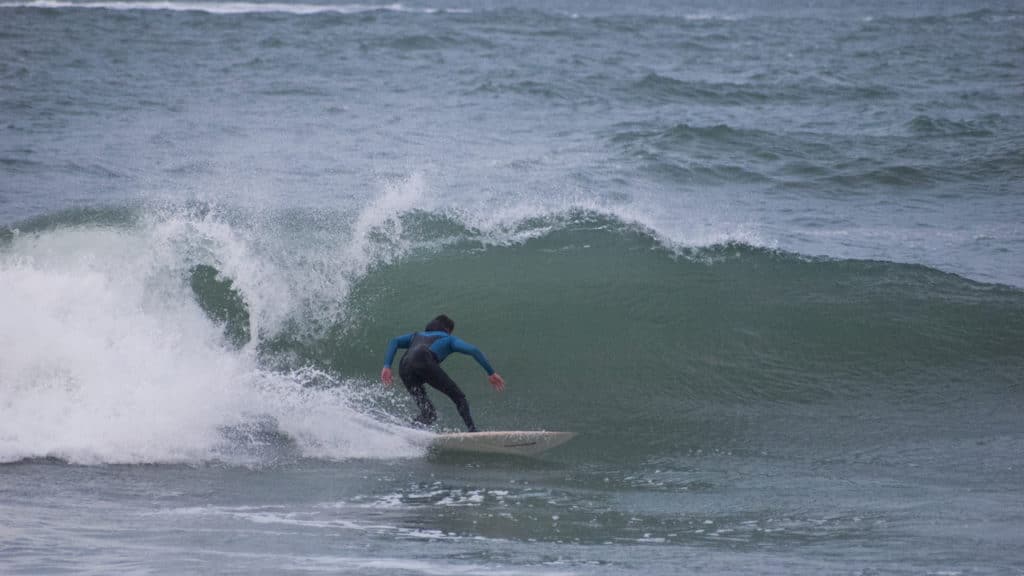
497	382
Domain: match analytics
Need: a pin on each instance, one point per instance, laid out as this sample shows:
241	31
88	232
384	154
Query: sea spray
110	359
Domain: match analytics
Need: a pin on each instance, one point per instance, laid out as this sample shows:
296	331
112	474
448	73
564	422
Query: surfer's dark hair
442	322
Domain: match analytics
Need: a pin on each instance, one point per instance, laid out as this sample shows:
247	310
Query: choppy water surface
765	260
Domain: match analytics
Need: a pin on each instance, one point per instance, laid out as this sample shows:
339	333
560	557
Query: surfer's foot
473	429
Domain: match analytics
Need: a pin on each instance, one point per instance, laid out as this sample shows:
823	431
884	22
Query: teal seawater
764	259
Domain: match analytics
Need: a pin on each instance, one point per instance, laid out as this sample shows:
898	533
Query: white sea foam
106	357
679	224
376	233
228	7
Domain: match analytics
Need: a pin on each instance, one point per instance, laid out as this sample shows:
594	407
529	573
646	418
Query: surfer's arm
393	346
464	347
397	342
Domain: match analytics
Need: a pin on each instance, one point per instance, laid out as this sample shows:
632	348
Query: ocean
764	258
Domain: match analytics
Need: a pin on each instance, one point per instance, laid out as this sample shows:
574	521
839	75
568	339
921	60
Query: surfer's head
442	323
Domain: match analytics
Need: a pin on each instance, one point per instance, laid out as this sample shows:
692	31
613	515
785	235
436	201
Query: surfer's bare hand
497	381
385	376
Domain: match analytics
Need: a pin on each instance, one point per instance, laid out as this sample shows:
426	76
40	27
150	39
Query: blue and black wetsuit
421	365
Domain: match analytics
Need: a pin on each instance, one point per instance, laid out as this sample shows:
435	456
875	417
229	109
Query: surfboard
520	442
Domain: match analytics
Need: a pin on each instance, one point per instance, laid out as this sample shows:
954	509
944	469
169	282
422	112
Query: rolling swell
722	154
600	328
598	314
659	88
728	320
598	324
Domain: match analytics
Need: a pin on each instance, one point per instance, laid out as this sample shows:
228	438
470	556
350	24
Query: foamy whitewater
115	362
764	260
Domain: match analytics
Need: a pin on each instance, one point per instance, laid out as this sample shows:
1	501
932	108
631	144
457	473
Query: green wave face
598	324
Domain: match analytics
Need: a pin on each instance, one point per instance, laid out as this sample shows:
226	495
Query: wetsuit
421	365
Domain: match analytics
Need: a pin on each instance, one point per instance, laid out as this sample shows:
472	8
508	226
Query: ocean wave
532	88
667	137
936	126
119	359
663	88
227	8
124	349
982	15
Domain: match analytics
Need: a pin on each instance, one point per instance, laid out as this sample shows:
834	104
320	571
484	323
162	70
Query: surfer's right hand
385	376
497	382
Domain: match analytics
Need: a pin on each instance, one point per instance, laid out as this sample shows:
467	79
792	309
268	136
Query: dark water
765	260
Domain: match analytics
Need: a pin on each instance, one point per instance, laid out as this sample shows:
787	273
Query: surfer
421	365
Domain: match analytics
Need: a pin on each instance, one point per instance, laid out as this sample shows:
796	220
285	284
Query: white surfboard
521	442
